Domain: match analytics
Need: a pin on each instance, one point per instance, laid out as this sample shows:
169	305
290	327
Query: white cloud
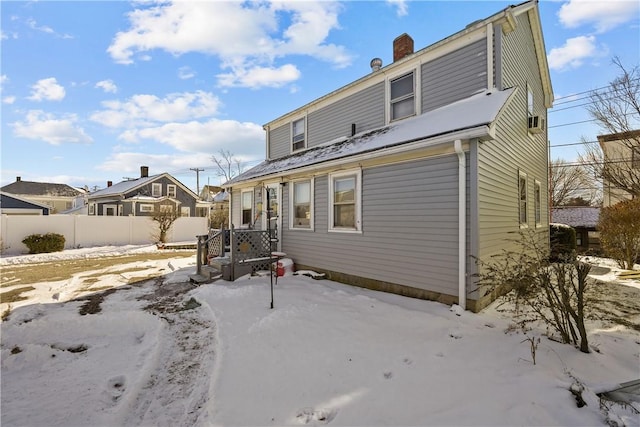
185	73
402	8
8	99
47	89
129	162
603	15
245	35
45	29
107	85
46	127
573	53
148	110
260	76
205	137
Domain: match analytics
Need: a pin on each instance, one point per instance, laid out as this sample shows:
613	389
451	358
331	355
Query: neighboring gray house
584	219
58	197
13	205
143	196
397	180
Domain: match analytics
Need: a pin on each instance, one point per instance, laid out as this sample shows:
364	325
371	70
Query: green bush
563	242
44	243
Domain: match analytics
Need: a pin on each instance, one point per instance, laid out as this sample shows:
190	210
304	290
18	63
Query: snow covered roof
576	216
478	110
32	188
124	186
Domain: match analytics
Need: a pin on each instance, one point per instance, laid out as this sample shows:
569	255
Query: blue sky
93	90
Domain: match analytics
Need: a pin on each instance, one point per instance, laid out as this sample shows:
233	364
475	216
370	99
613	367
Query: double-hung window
345	201
297	135
522	198
171	190
247	207
402	97
156	189
301	196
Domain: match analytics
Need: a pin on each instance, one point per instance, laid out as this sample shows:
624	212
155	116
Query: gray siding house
143	196
399	179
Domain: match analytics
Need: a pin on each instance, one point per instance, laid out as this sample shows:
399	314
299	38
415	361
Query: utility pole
197	171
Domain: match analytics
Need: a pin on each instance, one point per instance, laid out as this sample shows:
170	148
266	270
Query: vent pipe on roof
376	64
402	46
144	171
18	179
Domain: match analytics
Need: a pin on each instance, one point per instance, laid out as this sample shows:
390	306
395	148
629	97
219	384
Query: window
247	207
302	204
92	208
344	201
156	190
578	238
185	211
530	106
109	210
146	208
297	132
166	208
537	194
522	196
402	97
635	157
171	190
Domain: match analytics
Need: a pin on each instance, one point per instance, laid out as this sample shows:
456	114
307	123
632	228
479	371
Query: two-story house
58	197
143	196
621	177
399	179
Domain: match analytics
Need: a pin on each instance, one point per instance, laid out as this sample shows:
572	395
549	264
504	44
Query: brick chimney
18	179
402	46
144	171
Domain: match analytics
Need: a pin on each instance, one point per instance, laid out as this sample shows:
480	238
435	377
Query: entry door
272	196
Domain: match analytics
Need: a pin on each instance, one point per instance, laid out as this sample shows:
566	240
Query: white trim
145	207
357	201
537	203
105	208
175	190
462	224
305	140
490	59
414	70
311	181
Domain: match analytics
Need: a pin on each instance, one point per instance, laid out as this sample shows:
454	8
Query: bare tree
570	183
165	215
228	165
616	109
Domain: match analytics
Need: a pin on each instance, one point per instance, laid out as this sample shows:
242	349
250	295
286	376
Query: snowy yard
167	353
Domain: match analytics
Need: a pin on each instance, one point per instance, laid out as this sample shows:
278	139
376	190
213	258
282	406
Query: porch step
208	274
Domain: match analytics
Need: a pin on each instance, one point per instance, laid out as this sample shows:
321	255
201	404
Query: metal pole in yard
269	235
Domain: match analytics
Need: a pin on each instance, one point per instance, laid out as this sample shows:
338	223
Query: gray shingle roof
32	188
576	216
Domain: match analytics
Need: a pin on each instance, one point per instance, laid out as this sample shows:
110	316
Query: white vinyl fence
82	231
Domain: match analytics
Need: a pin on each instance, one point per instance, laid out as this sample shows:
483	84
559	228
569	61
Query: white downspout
462	221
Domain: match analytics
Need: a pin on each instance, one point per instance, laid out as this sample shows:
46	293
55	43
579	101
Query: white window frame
524	223
120	210
414	94
292	225
167	208
185	211
146	207
106	208
357	173
304	134
92	208
537	202
242	209
172	190
156	189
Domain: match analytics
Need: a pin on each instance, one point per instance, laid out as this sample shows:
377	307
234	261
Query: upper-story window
530	105
403	97
171	190
297	135
156	190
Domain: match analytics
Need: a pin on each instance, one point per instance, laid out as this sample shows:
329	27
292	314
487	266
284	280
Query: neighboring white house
622	154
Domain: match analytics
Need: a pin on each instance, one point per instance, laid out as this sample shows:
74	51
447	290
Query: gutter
462	229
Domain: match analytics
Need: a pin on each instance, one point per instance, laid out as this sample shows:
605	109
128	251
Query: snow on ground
168	353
